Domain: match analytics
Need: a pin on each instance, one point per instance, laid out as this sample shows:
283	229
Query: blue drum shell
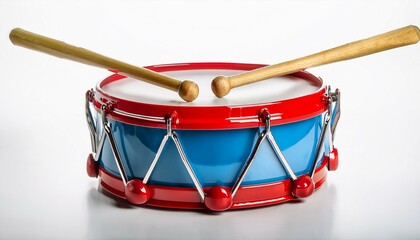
216	156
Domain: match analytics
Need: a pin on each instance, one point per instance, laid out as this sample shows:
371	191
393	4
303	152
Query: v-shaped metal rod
172	134
266	133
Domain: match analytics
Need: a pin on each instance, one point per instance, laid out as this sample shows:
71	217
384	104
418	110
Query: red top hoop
211	117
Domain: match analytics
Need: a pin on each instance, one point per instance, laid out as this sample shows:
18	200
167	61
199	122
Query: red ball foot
92	167
333	160
137	192
218	199
303	187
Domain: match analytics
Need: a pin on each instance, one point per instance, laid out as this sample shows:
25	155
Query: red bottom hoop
188	198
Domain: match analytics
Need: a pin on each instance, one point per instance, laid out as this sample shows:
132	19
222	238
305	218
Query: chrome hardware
327	129
89	119
336	96
93	129
266	133
134	115
139	117
108	132
251	158
100	146
174	136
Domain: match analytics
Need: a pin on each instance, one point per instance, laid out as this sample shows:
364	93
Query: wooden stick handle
187	90
221	85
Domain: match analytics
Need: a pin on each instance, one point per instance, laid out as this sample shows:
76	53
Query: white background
46	194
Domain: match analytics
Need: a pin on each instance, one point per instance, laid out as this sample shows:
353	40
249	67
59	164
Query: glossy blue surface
216	156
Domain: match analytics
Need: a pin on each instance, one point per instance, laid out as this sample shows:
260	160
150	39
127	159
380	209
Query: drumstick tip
417	31
188	90
220	86
13	33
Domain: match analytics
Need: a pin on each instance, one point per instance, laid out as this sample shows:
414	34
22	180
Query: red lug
92	167
303	187
218	199
174	116
333	160
137	192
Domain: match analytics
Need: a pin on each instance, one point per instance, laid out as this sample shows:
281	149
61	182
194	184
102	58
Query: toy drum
264	144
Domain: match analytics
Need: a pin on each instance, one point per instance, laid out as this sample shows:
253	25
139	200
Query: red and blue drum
263	144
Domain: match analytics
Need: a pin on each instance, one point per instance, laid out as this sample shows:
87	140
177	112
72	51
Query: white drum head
270	90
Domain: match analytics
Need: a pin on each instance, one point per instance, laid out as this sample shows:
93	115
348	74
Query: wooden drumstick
222	85
187	90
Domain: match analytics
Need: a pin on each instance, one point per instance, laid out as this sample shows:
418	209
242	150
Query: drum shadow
112	218
311	218
117	202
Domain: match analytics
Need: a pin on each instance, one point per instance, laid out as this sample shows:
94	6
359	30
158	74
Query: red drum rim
211	117
188	198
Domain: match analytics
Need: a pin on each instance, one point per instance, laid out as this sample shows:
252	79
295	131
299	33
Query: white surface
45	193
271	90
